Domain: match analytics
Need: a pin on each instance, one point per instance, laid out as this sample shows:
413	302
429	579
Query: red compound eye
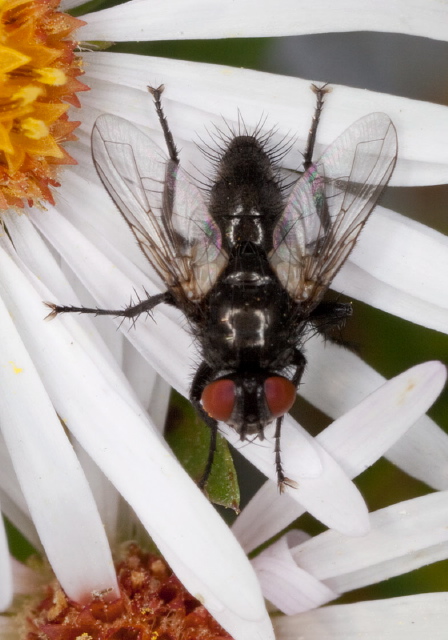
218	399
280	395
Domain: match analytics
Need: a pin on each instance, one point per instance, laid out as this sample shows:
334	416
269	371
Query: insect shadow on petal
248	266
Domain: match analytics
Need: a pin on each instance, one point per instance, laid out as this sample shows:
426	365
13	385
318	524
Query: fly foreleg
203	376
282	481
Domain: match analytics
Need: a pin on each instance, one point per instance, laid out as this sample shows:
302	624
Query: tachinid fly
248	265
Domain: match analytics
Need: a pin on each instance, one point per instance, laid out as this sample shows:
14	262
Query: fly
248	266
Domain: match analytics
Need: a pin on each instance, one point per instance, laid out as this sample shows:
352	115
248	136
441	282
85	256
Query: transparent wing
166	212
329	206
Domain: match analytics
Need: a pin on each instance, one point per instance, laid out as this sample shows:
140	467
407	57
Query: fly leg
310	170
308	155
172	150
204	372
171	170
282	480
128	312
211	454
330	317
202	377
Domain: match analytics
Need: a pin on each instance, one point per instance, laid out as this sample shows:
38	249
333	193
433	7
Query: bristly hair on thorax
221	138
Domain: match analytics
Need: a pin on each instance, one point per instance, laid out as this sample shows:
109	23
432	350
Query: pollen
38	82
153	606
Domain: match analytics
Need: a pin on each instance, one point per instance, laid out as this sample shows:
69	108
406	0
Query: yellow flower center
38	81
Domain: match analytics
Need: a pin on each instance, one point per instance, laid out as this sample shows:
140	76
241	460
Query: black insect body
250	267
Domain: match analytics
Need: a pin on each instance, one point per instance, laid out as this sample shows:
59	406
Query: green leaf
19	546
189	438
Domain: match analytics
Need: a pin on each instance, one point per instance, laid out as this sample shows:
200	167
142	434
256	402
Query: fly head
248	402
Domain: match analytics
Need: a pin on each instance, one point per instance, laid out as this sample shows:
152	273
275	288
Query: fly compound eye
280	394
218	399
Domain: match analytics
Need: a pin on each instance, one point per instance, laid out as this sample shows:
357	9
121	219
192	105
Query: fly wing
166	212
329	206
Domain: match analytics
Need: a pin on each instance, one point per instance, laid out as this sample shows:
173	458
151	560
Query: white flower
55	491
65	368
176	19
300	574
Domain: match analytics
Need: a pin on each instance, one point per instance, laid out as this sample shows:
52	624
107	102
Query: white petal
361	436
406	618
56	491
166	343
330	497
107	498
194	19
403	537
197	94
151	390
356	440
290	588
300	458
6	570
111	428
43	266
422	452
20	518
399	266
11	492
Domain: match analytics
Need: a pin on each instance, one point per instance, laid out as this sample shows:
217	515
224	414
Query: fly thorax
243	224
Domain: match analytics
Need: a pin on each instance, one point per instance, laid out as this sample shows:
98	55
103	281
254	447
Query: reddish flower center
153	606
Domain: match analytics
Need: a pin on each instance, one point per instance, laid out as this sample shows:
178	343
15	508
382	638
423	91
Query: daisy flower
144	597
73	370
299	574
